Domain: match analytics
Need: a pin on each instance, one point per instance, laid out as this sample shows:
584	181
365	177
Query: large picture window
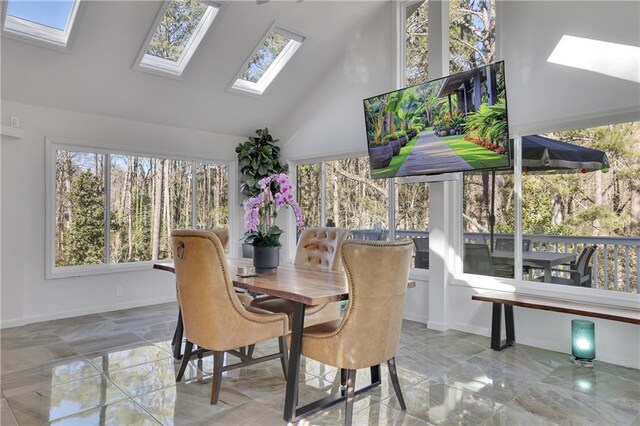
147	197
341	193
588	210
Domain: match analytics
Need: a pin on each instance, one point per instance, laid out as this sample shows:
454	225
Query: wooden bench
510	300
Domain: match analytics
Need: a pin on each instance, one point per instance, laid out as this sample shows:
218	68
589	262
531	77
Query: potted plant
259	157
260	214
394	142
401	135
380	154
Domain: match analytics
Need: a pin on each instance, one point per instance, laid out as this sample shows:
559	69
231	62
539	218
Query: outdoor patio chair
507	244
422	252
579	272
477	259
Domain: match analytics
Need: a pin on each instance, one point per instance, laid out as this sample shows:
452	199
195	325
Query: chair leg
396	383
250	350
218	359
351	385
188	347
343	377
284	354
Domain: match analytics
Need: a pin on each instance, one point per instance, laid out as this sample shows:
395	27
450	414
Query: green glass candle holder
583	340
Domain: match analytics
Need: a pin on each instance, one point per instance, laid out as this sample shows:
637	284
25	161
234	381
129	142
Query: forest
148	198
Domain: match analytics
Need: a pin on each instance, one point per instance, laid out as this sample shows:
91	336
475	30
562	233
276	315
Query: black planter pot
380	156
395	144
266	259
403	141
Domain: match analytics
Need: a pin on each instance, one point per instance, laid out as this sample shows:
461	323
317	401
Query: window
488	224
310	194
471	34
355	201
416	43
412	218
178	30
341	193
589	205
80	200
147	196
351	199
266	62
48	22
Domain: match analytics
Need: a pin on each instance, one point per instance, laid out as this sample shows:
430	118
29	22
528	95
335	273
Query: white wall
331	120
616	342
26	295
542	96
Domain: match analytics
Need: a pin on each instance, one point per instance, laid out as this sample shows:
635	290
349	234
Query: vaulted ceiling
96	76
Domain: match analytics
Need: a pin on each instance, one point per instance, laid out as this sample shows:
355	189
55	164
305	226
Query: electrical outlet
119	291
15	121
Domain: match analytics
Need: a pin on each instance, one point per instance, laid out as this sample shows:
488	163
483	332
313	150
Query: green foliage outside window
176	28
85	240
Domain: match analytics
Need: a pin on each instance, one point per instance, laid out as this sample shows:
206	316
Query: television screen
452	124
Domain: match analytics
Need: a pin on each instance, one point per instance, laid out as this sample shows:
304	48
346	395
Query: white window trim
519	285
52	145
419	274
242	86
38	34
165	67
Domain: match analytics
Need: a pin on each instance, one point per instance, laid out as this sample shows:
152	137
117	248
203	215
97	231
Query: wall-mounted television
452	124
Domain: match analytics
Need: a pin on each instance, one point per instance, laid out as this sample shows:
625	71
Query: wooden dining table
304	287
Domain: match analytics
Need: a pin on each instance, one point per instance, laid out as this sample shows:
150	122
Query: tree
175	29
264	57
471	34
85	240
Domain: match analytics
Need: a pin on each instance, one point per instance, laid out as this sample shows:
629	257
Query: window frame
272	72
414	273
165	67
438	52
53	145
39	34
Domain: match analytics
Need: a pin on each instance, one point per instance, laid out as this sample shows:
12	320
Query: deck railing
614	264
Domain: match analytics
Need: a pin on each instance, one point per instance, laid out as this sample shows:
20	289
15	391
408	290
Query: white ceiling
97	76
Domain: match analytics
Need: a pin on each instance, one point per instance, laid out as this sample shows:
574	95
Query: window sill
89	270
554	291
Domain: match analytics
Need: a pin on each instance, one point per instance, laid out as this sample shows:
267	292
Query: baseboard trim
438	326
552	345
424	319
85	311
12	323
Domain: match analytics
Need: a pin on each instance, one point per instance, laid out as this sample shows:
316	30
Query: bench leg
496	327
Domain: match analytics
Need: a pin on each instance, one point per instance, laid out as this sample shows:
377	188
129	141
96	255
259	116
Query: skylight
42	21
612	59
175	35
268	59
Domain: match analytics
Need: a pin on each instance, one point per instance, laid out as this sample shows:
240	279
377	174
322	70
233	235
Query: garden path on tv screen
432	154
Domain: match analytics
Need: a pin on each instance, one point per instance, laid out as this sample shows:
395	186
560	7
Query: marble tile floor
116	368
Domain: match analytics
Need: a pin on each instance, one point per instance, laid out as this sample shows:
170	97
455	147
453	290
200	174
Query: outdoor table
535	259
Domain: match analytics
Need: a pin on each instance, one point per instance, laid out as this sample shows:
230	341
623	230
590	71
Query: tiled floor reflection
116	368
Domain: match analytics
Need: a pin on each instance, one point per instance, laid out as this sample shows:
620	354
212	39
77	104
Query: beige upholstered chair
245	299
369	332
318	248
214	319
